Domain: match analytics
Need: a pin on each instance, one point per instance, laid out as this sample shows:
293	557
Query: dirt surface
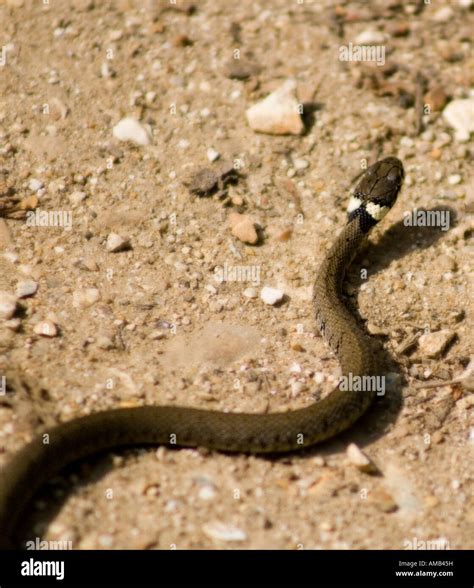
150	324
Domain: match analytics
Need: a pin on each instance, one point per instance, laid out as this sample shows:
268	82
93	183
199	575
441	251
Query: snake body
63	444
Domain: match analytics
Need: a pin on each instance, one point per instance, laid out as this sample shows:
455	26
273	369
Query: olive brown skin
68	442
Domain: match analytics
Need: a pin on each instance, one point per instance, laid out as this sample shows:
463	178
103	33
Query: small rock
432	345
115	35
223	532
278	113
271	296
7	305
13	324
370	37
207	492
282	234
212	154
443	14
360	460
454	179
46	329
301	164
77	197
243	227
459	114
106	541
383	500
250	293
86	297
436	98
400	29
34	185
375	329
156	335
437	437
105	343
241	69
296	388
26	288
129	129
116	243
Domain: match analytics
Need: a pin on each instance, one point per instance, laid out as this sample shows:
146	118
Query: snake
270	433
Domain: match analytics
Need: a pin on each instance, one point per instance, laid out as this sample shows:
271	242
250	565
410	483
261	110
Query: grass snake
68	442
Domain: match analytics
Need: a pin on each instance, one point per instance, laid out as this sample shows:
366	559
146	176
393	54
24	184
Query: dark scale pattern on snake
37	462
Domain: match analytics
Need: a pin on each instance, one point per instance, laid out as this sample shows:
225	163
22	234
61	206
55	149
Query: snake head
376	192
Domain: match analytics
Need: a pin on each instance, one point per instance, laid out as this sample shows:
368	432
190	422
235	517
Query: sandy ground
151	324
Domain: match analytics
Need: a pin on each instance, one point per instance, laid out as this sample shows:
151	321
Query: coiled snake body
249	433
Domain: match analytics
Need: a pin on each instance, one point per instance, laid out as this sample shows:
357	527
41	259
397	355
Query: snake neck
338	326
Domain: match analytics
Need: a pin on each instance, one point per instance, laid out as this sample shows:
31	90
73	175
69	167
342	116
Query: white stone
370	37
359	459
34	185
77	197
86	297
432	345
459	114
250	293
224	532
301	164
26	288
7	305
278	113
116	243
212	154
454	179
443	14
271	295
207	492
129	129
46	329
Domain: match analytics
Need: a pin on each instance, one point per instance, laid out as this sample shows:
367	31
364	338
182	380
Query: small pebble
34	185
86	297
443	14
459	114
370	37
432	345
212	154
223	532
8	304
129	129
436	98
77	197
241	69
105	343
278	113
383	500
46	329
26	288
301	164
207	492
454	179
360	460
250	293
156	335
243	227
106	541
271	296
116	243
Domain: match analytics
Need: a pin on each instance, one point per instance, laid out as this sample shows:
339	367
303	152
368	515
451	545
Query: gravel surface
138	267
